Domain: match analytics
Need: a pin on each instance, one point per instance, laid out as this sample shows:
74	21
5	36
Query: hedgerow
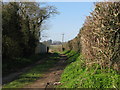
99	38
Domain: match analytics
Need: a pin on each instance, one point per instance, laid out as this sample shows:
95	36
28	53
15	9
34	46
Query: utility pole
63	37
62	41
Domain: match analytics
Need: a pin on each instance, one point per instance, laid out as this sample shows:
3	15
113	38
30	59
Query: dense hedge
99	38
73	44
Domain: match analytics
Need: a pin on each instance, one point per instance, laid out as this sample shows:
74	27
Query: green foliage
10	48
72	56
21	24
11	31
77	75
65	52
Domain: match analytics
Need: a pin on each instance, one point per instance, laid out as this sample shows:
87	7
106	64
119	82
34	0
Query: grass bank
35	73
16	64
77	75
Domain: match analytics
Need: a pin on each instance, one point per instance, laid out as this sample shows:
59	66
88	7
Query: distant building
48	42
56	43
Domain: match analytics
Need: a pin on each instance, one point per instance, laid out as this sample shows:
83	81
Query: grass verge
16	64
33	74
77	75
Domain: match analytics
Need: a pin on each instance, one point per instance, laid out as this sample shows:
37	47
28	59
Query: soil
15	75
50	78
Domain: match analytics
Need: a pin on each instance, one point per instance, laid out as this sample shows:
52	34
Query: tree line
22	24
21	27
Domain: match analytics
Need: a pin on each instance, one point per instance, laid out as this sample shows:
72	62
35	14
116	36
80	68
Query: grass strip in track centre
35	73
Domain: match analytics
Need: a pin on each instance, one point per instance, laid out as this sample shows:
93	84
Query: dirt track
51	77
15	75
